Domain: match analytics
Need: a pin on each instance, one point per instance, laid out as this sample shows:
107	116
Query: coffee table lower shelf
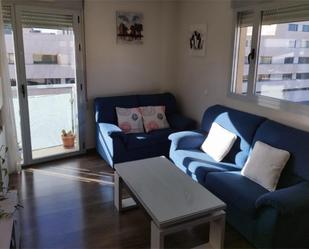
215	219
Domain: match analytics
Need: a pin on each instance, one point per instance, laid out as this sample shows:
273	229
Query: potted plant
68	139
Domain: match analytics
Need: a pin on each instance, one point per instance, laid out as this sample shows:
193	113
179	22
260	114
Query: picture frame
197	39
130	27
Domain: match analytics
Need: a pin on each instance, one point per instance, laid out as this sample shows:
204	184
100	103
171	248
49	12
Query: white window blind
245	18
6	15
297	13
43	20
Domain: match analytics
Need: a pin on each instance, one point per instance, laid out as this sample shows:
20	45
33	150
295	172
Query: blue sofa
114	146
278	219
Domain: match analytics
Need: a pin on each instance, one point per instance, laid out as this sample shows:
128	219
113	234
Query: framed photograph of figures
130	27
197	40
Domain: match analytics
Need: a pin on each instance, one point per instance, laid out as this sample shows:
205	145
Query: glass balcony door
50	99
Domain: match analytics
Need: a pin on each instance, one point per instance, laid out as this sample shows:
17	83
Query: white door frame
22	84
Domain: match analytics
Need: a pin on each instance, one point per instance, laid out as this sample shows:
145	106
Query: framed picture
130	27
197	40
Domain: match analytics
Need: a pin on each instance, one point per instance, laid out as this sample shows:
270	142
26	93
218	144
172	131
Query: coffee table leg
118	192
216	233
157	237
121	203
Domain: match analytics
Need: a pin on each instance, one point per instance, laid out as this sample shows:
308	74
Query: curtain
7	110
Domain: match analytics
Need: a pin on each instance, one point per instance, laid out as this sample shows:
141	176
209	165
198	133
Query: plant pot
68	141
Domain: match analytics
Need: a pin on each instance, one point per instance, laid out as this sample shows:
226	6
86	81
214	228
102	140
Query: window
13	82
293	27
276	76
264	77
303	60
304	44
270	76
302	76
305	28
50	81
248	43
287	76
11	58
69	80
288	60
292	44
45	59
265	59
244	33
7	31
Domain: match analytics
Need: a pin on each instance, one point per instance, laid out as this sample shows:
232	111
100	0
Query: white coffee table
171	198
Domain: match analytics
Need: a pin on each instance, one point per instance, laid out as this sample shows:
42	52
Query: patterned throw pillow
130	120
154	117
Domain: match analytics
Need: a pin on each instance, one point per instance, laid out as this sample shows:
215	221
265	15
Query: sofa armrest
181	122
187	140
110	129
291	200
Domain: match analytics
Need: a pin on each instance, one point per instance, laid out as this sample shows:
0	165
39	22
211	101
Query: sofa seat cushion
235	190
197	162
139	140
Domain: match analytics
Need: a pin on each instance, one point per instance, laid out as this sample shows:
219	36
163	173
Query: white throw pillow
130	120
154	118
218	142
265	164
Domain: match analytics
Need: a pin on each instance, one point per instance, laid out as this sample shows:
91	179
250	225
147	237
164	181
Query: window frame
305	28
303	60
251	96
53	59
293	25
287	61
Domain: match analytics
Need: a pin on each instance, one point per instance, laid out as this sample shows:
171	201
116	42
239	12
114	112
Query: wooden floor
69	204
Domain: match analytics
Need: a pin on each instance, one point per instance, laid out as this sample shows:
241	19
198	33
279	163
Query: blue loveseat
278	219
115	146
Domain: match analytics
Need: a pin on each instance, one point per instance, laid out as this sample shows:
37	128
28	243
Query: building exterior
283	70
49	56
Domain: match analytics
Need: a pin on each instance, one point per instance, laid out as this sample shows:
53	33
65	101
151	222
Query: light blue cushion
198	163
186	140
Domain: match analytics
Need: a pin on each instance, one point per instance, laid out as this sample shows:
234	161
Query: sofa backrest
243	124
166	99
105	107
292	140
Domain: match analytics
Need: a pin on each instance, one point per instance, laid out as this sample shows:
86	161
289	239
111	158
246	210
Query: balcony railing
51	109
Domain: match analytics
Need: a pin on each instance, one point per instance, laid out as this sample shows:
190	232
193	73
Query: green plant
67	133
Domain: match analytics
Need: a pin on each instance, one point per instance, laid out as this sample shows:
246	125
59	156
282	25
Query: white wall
163	61
203	81
114	69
